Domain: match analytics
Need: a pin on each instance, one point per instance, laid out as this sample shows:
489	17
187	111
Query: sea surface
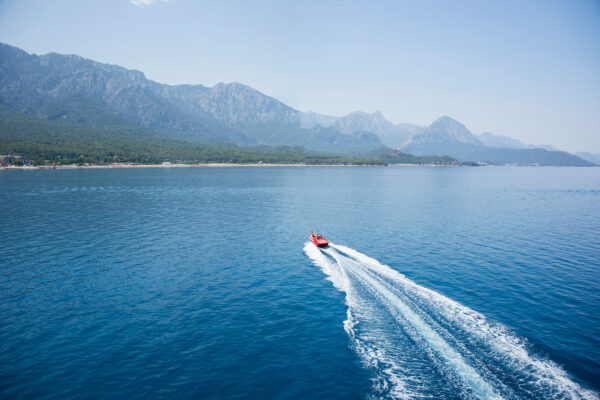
451	283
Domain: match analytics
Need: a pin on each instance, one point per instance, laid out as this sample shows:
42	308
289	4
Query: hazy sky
526	69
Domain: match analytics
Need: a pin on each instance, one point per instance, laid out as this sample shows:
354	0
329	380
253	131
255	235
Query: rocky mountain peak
447	128
235	103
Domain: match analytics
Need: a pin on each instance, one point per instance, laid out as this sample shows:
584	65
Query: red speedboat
318	240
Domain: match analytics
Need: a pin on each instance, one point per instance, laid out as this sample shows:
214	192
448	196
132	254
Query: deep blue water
198	283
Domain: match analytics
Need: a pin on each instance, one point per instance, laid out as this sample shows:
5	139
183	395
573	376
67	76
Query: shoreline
209	165
251	165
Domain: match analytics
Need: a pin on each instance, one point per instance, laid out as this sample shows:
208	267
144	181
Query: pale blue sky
526	69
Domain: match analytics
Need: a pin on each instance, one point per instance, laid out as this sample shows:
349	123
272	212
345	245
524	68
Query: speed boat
318	240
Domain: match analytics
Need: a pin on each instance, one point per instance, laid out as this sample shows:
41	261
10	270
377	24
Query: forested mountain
80	92
62	142
53	85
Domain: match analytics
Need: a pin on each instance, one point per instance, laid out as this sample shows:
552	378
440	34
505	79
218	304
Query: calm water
198	283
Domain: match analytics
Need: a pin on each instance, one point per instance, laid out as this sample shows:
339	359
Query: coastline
252	165
210	165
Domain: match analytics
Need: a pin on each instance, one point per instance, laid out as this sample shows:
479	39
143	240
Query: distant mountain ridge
447	136
491	140
89	93
591	157
357	122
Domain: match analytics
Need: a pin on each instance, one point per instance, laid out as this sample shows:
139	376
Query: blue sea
440	283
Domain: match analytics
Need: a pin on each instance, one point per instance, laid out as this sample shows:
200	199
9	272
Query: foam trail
543	374
468	374
435	338
387	380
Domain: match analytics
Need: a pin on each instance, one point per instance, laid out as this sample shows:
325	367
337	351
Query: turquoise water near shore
198	282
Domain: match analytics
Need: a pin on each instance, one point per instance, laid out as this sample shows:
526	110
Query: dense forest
389	156
44	142
56	141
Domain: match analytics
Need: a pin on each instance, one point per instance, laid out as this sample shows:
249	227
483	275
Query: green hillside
57	141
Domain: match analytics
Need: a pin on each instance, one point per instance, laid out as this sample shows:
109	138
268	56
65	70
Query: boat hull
319	242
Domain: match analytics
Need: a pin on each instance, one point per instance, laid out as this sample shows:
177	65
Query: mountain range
64	86
450	137
76	90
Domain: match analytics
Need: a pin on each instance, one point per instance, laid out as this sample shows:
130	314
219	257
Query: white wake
421	344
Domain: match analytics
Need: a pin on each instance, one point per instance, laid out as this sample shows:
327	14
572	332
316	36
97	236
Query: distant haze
528	70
